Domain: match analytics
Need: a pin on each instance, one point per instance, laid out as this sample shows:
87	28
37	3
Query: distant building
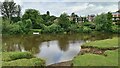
116	16
91	18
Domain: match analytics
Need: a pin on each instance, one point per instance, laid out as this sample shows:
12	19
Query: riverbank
20	59
96	53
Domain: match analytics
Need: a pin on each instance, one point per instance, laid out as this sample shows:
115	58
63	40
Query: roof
115	12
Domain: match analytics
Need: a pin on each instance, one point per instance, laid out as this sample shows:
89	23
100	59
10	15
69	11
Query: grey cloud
80	8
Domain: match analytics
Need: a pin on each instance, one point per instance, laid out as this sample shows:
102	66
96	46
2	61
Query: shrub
14	28
73	28
8	56
89	24
54	28
20	55
25	25
86	29
115	29
25	62
17	28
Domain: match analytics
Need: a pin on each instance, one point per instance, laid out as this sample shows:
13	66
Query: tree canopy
9	9
34	16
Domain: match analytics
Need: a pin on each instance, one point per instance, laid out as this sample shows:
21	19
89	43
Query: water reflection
53	48
54	54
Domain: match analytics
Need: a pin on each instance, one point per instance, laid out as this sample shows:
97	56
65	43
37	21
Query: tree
48	13
63	21
103	22
34	16
9	9
73	14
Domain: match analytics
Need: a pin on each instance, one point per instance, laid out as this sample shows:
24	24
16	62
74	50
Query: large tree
63	21
104	22
9	9
34	16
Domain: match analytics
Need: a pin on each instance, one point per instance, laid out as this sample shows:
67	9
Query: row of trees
32	20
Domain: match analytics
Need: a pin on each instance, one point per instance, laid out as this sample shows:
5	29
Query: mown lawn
97	60
25	62
88	59
104	43
21	59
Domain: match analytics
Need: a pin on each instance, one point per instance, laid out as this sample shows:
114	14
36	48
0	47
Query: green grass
107	43
9	56
21	59
97	60
25	62
35	30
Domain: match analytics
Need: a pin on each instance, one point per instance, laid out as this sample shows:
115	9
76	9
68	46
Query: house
90	18
116	16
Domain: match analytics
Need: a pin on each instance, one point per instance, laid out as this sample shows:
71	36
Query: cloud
80	7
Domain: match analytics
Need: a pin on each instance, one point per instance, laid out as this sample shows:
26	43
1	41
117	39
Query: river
54	48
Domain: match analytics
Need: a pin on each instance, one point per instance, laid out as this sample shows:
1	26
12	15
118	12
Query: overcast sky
80	7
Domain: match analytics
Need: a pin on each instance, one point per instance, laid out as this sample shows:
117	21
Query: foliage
25	25
63	21
10	9
21	59
12	28
54	28
115	29
74	28
48	13
34	16
9	56
103	22
86	29
32	21
48	20
25	62
35	30
17	28
89	24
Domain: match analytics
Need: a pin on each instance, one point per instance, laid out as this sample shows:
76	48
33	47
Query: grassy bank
107	43
89	59
20	59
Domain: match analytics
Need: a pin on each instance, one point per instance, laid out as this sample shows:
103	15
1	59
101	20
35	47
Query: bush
9	56
73	28
14	29
19	27
25	62
86	29
10	28
20	55
89	24
115	29
54	28
25	26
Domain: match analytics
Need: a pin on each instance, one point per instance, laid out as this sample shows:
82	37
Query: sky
80	7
